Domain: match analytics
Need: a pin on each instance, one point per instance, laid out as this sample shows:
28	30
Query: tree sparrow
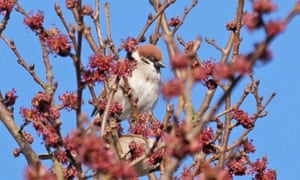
144	82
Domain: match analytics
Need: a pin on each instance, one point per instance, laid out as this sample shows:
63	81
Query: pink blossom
36	21
172	88
252	21
175	21
10	98
130	44
123	68
6	6
264	6
59	44
275	27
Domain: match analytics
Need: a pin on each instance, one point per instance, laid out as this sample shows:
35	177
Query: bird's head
148	54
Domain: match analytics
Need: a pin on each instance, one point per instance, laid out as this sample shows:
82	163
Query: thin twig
31	157
88	35
159	11
5	20
186	12
214	44
110	96
96	19
205	103
63	20
48	67
110	42
237	39
21	61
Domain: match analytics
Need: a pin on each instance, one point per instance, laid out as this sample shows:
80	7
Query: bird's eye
145	60
151	58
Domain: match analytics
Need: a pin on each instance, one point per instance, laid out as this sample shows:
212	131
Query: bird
144	81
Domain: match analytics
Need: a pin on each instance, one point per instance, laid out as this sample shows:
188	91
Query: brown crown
150	50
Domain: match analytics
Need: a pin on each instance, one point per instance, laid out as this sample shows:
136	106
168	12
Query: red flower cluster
100	67
219	71
259	165
123	68
238	166
175	21
35	21
10	98
147	127
202	141
136	150
130	44
275	27
188	47
6	6
70	4
70	172
114	109
155	158
259	168
243	118
264	6
44	118
248	147
179	61
269	174
42	102
172	88
59	44
202	71
141	126
17	152
40	172
231	26
209	171
254	20
266	55
186	174
155	128
87	10
69	100
61	156
92	151
240	66
29	138
178	146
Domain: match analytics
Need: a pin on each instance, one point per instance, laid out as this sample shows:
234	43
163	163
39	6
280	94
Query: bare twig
9	122
237	39
205	103
21	61
295	11
187	10
110	42
90	39
96	18
63	20
214	44
110	96
49	74
159	11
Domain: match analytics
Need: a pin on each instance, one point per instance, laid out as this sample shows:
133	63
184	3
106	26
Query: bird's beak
159	64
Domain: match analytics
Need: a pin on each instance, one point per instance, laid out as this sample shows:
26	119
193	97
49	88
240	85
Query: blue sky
276	135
